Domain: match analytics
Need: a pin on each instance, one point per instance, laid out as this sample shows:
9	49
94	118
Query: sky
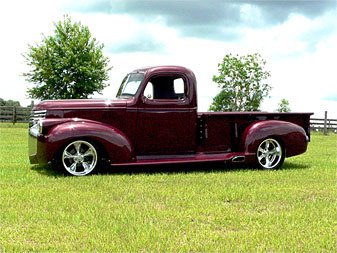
298	40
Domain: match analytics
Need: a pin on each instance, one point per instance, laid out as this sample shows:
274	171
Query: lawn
208	207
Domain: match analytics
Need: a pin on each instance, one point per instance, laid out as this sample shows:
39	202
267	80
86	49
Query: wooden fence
323	125
15	114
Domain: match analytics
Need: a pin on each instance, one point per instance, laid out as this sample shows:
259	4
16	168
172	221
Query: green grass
11	125
182	208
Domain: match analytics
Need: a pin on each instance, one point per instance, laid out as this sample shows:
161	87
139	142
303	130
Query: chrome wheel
269	154
79	158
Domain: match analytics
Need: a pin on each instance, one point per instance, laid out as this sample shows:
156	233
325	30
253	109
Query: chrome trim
239	158
32	149
37	115
269	153
35	128
79	158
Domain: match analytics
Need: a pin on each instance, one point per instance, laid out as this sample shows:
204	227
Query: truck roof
165	68
171	69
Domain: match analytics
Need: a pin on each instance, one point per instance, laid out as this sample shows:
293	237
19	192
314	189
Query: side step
191	158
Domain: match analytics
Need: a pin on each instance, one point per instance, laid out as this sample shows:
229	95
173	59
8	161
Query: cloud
314	36
141	38
215	19
276	12
141	44
319	31
190	18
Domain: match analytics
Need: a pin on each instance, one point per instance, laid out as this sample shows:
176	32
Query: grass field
182	208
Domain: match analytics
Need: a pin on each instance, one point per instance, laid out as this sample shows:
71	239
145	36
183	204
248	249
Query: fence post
14	114
325	122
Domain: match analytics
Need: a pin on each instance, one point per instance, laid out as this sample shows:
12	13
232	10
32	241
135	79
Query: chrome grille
37	115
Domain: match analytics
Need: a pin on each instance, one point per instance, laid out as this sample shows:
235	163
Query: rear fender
117	145
292	137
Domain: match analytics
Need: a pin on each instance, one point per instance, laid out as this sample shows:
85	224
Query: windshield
130	84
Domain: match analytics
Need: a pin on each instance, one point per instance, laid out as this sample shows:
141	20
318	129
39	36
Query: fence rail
324	125
20	114
15	114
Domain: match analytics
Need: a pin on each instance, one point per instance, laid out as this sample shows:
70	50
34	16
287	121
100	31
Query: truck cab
165	102
154	120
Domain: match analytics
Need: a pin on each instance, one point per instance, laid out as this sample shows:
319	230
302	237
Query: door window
165	87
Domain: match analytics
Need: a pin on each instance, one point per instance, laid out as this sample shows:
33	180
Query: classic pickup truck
154	120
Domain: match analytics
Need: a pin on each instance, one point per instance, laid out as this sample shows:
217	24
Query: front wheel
79	158
270	154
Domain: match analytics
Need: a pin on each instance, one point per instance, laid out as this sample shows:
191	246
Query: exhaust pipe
239	158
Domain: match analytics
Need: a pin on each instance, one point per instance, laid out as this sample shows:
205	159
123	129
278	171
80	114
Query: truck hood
80	104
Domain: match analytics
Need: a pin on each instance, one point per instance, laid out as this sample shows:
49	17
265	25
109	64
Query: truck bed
213	127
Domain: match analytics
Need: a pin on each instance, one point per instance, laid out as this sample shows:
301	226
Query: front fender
117	145
292	137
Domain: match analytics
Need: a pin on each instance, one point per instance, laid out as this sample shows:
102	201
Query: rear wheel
79	158
270	154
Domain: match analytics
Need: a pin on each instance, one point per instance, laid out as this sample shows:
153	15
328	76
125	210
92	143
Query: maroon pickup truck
154	120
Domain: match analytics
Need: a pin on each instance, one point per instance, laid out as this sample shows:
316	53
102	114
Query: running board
191	158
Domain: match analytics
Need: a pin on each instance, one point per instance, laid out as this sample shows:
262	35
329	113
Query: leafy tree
9	102
283	106
241	81
68	65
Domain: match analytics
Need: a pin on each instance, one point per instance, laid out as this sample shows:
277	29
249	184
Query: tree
283	106
241	81
68	65
9	102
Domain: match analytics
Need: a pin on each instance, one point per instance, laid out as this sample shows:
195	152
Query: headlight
36	129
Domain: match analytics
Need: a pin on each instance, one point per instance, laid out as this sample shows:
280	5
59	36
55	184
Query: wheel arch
98	145
111	142
292	137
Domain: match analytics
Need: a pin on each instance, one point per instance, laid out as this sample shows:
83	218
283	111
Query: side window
148	92
165	87
179	87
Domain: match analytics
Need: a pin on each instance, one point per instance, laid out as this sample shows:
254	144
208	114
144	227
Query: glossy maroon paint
291	136
139	130
115	143
79	104
165	126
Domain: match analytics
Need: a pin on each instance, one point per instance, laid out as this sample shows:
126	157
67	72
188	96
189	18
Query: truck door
164	117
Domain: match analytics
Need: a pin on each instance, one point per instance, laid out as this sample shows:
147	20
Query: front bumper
32	149
37	149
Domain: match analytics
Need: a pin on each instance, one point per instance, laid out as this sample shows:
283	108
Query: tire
270	154
79	158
